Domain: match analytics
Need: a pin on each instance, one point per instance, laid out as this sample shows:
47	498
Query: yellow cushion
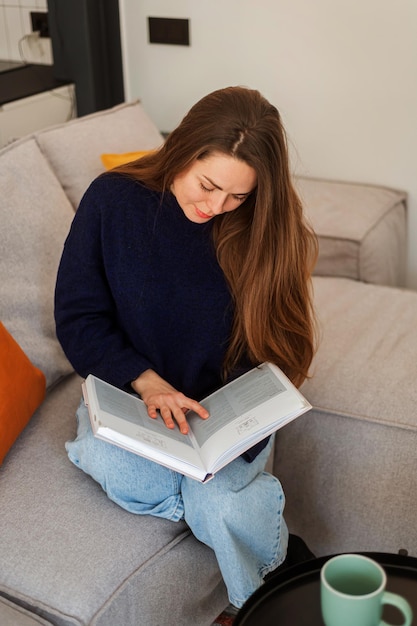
113	160
22	389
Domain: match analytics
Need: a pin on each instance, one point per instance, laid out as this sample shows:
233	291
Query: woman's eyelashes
236	197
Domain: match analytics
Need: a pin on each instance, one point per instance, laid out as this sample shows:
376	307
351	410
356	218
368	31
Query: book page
237	398
121	418
245	412
131	408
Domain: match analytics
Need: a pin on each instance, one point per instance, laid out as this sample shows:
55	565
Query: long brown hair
265	248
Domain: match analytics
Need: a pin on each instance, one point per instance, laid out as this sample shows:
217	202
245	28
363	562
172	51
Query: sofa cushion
35	218
348	467
365	365
22	389
74	557
113	160
74	149
361	229
14	615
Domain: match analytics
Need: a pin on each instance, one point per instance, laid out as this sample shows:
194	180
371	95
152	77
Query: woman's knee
232	498
136	483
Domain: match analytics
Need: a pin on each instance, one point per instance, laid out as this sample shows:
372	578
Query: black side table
292	597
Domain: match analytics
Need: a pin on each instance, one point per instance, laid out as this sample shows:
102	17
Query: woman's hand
158	395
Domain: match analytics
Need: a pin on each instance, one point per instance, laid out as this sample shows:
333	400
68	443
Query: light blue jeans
239	513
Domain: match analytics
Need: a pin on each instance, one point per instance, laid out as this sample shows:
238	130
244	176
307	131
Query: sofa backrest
42	179
361	229
35	217
73	149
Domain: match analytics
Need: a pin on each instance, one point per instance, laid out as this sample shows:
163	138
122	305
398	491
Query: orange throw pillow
113	160
22	390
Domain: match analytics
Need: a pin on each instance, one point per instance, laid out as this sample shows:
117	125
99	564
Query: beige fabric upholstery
74	149
368	341
35	218
71	555
348	467
361	229
12	615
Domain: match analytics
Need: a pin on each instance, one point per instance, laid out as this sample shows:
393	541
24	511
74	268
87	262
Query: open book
242	413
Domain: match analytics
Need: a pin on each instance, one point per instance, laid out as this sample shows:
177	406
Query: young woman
182	270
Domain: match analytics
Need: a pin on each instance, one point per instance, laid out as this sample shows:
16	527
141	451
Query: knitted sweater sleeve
85	312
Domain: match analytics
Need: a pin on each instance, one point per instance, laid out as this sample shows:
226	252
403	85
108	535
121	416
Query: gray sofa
69	556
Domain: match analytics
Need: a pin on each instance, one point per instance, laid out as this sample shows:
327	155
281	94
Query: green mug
353	592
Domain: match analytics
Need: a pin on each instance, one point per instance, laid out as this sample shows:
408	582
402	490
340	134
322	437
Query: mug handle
401	604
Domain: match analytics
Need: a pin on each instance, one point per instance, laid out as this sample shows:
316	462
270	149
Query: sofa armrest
361	229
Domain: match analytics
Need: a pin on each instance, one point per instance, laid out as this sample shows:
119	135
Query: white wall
342	72
16	40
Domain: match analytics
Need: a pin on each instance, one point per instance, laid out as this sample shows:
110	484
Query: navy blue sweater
139	287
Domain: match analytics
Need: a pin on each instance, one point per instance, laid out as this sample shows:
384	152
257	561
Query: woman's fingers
160	397
173	409
178	415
